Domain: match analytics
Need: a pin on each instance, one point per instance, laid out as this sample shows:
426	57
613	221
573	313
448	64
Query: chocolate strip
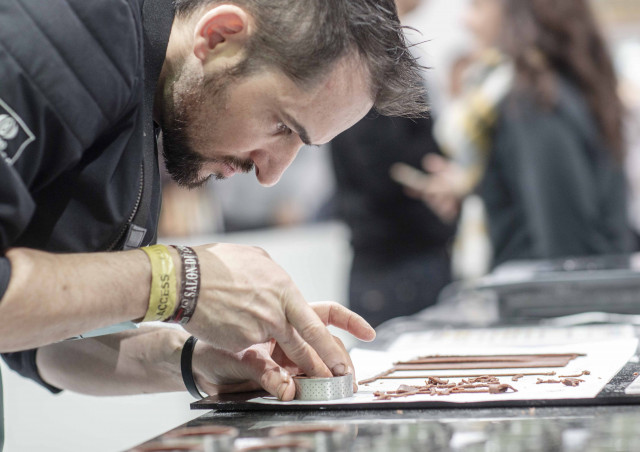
476	362
487	358
386	376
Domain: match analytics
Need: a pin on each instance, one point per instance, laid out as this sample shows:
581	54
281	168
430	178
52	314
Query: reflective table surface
606	428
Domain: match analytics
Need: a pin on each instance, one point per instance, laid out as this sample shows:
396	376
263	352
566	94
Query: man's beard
182	162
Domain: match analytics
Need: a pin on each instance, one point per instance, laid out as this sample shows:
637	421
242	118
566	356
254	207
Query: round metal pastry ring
322	389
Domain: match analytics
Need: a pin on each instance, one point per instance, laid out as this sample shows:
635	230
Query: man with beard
87	87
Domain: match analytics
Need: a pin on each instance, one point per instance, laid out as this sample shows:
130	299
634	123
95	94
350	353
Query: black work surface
256	421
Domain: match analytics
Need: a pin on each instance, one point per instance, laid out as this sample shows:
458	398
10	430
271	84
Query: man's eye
284	129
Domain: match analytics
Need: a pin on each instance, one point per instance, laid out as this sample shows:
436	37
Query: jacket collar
157	19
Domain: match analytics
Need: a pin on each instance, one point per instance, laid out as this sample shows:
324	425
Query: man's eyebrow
298	128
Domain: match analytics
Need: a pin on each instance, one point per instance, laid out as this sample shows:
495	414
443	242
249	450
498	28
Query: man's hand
247	299
148	360
266	365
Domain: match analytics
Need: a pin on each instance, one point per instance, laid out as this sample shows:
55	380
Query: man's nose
272	163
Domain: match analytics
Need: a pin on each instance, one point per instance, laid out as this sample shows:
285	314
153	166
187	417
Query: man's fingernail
340	369
282	389
286	379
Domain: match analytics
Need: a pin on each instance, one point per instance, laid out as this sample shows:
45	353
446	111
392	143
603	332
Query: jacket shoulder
84	57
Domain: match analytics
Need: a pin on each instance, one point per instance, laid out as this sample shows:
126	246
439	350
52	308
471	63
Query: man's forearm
132	362
55	296
245	298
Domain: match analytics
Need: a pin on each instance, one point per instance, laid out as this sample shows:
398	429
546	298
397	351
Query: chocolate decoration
476	362
584	372
386	376
439	385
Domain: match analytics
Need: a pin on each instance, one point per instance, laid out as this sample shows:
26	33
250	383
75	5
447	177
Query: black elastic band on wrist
186	369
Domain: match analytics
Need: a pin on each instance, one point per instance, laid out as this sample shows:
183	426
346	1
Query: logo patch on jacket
15	136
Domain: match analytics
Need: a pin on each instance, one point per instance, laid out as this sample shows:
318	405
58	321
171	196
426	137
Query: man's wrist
177	265
163	292
189	288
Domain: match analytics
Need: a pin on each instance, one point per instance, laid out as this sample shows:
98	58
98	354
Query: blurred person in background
537	133
400	249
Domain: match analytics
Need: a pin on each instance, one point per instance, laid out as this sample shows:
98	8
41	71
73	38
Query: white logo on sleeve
15	136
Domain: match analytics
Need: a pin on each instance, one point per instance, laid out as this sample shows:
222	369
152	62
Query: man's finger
303	354
277	382
262	369
335	314
350	369
315	334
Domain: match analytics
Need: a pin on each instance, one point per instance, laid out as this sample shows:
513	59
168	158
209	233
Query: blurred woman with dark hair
537	134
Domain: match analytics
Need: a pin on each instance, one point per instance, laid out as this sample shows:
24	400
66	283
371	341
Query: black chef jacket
78	160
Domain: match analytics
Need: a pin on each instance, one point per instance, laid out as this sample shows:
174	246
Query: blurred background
393	210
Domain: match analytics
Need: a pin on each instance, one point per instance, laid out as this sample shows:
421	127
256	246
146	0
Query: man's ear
222	30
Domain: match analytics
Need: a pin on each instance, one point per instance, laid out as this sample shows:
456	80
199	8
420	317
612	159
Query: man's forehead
340	100
350	68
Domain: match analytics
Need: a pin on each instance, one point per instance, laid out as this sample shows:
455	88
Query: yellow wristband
162	297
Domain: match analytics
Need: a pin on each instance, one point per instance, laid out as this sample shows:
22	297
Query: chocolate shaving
517	377
584	372
490	384
481	385
472	391
484	379
500	388
571	381
437	381
405	388
377	377
540	381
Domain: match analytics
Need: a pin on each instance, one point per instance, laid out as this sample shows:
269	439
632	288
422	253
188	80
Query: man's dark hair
303	38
